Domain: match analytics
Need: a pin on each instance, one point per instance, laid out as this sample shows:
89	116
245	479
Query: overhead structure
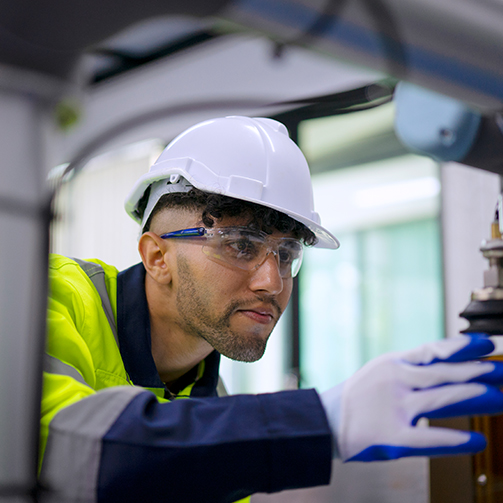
450	45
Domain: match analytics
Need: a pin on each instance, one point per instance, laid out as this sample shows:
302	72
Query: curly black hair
214	207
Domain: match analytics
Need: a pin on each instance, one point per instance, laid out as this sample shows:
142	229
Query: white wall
91	221
469	197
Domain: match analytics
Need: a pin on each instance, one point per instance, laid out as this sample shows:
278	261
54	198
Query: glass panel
382	290
330	316
401	287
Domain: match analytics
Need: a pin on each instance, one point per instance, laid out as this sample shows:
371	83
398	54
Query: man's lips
261	314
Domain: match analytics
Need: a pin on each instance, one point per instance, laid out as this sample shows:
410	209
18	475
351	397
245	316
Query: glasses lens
239	247
248	249
289	257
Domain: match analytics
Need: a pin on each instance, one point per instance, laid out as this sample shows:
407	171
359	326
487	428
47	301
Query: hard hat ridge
174	183
252	159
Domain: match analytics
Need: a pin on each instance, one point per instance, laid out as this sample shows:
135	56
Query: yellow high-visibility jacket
110	430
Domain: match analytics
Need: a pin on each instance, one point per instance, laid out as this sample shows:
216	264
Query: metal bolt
482	480
447	136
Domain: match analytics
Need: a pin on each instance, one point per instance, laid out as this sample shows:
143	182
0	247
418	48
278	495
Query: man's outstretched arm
374	414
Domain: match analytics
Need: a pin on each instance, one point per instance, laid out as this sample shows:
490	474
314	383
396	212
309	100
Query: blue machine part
434	125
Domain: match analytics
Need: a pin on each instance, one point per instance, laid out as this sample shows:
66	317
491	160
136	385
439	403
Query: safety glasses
245	248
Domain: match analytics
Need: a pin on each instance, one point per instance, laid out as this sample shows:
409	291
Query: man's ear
155	257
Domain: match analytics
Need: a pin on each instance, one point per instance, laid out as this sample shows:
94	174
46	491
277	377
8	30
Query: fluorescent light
398	192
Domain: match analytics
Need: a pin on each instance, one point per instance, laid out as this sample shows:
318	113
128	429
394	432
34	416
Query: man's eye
242	248
285	256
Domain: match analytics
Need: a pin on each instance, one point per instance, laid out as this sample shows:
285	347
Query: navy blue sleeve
215	449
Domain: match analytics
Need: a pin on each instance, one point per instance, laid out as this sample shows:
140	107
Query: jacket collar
133	327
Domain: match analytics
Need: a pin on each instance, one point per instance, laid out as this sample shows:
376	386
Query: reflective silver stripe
54	366
97	276
72	456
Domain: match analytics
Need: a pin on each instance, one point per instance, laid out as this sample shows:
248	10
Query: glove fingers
425	442
497	340
428	376
454	349
455	400
494	377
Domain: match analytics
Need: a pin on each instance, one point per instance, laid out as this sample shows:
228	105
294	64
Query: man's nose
267	276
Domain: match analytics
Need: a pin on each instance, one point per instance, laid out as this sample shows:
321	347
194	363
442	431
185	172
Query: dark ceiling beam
50	36
124	61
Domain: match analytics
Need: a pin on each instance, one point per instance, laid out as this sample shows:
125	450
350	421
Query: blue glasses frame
194	232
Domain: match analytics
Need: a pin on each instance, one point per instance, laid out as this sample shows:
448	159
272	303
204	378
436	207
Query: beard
198	319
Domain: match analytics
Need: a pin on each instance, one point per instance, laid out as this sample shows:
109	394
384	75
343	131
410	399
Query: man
224	214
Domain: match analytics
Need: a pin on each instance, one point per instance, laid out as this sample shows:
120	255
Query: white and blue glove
373	415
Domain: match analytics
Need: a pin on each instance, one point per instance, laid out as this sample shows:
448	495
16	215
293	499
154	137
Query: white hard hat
252	159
